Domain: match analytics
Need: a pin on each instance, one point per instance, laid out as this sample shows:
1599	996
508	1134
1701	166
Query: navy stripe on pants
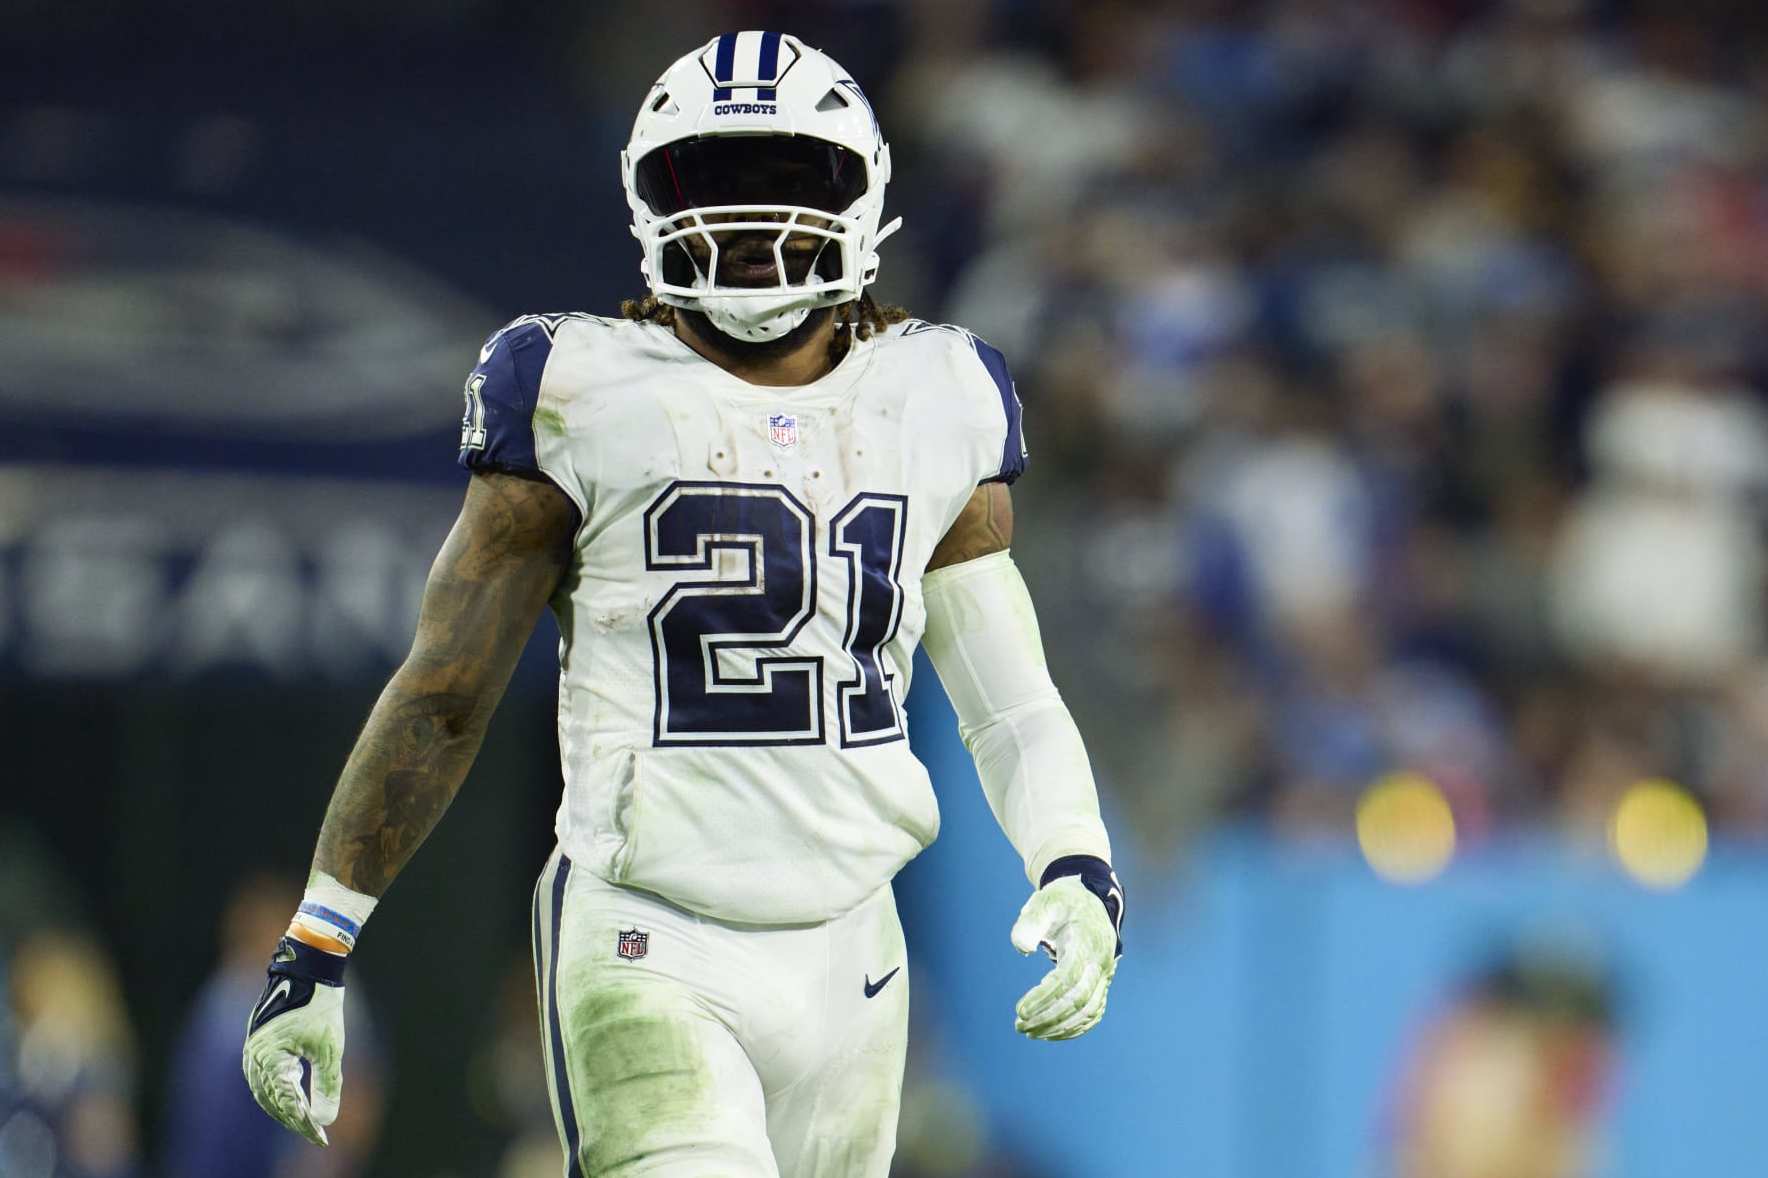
554	1031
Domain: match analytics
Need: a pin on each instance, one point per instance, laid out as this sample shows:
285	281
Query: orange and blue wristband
331	916
322	928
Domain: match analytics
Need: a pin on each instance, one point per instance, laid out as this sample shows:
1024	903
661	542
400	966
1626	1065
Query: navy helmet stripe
724	66
561	1075
769	66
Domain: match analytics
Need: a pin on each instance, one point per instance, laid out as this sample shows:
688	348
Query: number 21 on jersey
720	641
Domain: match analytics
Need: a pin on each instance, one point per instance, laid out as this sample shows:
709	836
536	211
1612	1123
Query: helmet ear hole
828	265
678	265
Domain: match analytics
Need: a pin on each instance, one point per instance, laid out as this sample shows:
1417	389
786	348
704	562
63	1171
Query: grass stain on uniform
549	421
636	1072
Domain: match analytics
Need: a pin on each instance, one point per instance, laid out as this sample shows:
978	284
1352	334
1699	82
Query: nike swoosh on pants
872	987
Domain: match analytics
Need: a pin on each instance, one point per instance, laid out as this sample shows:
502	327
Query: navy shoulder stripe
1013	447
502	393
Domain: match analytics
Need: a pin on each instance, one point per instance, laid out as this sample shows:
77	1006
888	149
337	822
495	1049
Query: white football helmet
756	174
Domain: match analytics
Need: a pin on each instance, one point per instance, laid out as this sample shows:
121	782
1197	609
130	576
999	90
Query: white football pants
697	1048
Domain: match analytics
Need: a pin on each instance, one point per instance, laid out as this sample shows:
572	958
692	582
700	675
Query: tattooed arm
984	526
498	566
496	570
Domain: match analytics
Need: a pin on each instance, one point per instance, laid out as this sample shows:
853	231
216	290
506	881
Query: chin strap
755	320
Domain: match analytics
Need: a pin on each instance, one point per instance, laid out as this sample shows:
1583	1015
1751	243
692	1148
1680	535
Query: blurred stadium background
1394	374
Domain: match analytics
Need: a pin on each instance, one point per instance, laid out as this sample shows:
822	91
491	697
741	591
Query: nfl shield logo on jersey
782	430
633	944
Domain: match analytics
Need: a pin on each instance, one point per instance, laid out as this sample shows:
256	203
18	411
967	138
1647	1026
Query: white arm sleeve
983	639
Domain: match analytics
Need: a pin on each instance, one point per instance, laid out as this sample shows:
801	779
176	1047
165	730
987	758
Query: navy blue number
868	534
756	541
715	683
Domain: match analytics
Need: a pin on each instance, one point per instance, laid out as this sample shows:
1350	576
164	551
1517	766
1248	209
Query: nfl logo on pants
633	944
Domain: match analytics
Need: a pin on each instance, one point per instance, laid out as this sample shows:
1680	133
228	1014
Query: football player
746	503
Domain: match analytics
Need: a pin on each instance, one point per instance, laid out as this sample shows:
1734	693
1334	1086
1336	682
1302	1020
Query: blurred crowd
1393	376
1394	388
71	1060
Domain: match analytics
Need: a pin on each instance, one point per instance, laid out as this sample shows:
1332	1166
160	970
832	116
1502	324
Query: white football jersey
741	614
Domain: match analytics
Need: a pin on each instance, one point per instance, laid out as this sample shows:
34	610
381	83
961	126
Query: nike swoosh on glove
294	1051
1075	916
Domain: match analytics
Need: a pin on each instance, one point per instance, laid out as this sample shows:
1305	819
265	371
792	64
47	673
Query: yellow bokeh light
1405	828
1659	834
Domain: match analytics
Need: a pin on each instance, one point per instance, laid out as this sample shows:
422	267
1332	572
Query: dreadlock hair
862	316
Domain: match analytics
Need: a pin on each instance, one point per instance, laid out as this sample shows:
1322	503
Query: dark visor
750	170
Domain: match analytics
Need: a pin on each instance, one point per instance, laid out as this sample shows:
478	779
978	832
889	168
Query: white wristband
333	913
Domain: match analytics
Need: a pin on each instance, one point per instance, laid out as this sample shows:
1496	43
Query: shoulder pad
909	327
502	391
1013	452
